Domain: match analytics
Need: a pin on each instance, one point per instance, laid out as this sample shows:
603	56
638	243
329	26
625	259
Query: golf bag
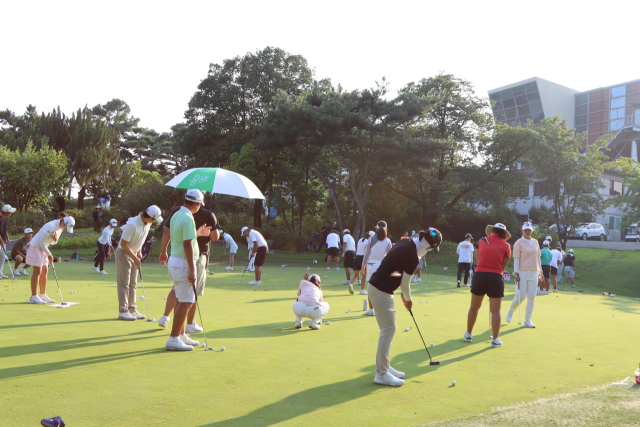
114	243
312	242
146	248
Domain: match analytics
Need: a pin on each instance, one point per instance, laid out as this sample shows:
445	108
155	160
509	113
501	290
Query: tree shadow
29	325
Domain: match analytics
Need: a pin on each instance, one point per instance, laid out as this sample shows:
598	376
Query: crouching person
309	304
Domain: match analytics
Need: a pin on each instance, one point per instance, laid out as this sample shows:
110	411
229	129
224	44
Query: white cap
346	230
413	233
570	251
28	230
194	195
548	238
8	208
243	230
70	223
98	207
527	226
154	212
113	222
220	232
372	233
545	243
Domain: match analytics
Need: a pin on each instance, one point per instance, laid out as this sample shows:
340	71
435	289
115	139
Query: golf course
83	364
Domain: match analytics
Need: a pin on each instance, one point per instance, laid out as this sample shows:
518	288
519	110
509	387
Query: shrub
77	242
19	221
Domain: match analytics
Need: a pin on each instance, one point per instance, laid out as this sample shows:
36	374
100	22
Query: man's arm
254	249
166	238
214	235
129	252
344	248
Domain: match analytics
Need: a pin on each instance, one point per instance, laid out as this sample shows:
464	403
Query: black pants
464	266
102	254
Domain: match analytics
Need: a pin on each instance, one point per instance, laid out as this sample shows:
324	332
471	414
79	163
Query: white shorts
570	272
36	257
179	273
372	269
233	249
419	267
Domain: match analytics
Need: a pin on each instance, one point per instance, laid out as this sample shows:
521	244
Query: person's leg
476	303
383	305
43	279
179	318
18	260
102	254
419	273
517	300
258	272
546	285
348	271
329	261
496	317
467	268
319	314
2	255
231	259
530	294
35	279
201	278
123	273
98	255
554	278
171	303
133	284
460	270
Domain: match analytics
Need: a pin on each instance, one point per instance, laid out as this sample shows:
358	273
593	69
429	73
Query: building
607	110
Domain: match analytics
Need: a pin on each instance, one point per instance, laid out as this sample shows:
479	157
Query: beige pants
383	306
126	275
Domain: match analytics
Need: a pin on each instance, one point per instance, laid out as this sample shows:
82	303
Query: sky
153	54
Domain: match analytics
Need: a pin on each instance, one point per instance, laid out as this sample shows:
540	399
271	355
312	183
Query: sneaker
458	283
35	299
328	268
509	316
395	373
187	340
414	279
573	286
418	280
163	322
175	344
468	337
45	298
545	293
350	288
466	286
337	268
528	324
370	312
228	268
299	323
388	379
346	283
255	283
496	343
313	325
126	316
555	290
193	328
23	272
363	292
104	273
96	269
137	315
539	291
2	276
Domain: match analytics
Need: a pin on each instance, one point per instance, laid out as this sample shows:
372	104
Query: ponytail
381	234
61	215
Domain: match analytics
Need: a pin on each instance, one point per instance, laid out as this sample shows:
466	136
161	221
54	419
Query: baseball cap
113	222
8	208
372	233
154	212
548	238
501	226
466	236
545	243
243	230
433	238
98	207
194	195
69	222
346	231
28	230
570	251
527	226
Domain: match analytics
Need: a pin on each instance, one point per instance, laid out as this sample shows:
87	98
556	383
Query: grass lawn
93	370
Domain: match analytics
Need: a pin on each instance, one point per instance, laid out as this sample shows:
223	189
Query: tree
32	175
571	172
114	183
630	199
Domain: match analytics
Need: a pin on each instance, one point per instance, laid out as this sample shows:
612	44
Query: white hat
243	230
545	243
413	233
154	212
220	232
28	230
70	223
489	230
372	233
527	226
98	207
113	222
548	238
194	195
570	251
346	231
8	208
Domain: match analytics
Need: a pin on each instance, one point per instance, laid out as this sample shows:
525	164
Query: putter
145	295
428	276
59	291
200	315
431	362
519	318
6	258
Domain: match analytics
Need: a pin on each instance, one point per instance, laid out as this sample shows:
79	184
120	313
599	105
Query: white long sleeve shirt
105	237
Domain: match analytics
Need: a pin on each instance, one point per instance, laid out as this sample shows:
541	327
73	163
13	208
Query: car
591	230
632	233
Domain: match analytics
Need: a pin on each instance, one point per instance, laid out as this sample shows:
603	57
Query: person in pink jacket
309	303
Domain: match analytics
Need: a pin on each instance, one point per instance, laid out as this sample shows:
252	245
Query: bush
286	241
77	242
19	221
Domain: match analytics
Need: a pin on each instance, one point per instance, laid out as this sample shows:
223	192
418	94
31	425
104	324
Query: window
519	90
616	124
507	93
581	120
510	113
615	188
531	87
618	113
495	96
523	110
521	100
498	106
618	102
614	223
581	129
537	117
582	109
618	91
582	99
500	116
508	103
533	96
536	107
537	188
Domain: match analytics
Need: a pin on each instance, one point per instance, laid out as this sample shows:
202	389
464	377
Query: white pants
310	310
528	288
2	255
251	262
560	267
372	269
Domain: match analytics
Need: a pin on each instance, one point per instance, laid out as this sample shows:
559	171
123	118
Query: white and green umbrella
217	180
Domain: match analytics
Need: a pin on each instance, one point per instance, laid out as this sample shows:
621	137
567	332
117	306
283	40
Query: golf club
200	315
59	291
208	257
428	275
6	258
518	283
144	294
431	362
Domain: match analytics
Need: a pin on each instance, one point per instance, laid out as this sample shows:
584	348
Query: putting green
93	370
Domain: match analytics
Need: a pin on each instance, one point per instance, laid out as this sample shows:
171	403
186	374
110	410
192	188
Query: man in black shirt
570	268
97	219
324	233
7	210
395	272
202	217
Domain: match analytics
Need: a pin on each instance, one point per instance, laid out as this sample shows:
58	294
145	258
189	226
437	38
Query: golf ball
222	349
238	283
204	344
165	298
406	329
453	383
431	344
153	320
71	292
325	277
328	323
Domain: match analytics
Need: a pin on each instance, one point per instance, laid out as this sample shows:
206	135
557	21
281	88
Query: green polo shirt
183	227
545	256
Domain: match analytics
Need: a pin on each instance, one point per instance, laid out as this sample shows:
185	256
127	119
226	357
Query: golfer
570	268
309	304
393	272
561	265
231	246
97	219
527	271
7	210
182	266
202	218
465	259
545	261
39	256
104	244
357	264
556	260
259	249
378	247
128	256
348	253
493	255
333	249
19	252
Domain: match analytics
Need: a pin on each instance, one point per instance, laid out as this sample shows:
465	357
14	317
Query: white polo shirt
333	240
362	246
556	258
43	238
351	244
135	232
255	236
105	238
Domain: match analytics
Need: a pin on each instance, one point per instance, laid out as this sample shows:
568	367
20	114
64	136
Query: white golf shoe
468	337
137	315
363	292
395	373
337	268
45	298
176	344
313	325
299	323
359	283
495	343
35	299
388	379
346	282
414	279
528	324
509	316
193	328
104	273
187	340
418	280
163	322
255	283
126	316
370	312
350	288
228	268
96	269
23	272
328	268
2	276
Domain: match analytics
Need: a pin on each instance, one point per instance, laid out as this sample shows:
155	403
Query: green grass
83	364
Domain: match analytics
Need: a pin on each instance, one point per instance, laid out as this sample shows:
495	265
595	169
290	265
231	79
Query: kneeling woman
309	303
395	272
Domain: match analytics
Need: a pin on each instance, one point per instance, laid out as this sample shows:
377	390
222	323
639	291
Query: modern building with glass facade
612	110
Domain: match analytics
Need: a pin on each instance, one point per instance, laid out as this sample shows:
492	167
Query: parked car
632	233
591	230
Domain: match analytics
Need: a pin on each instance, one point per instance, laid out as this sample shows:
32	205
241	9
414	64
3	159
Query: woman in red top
493	255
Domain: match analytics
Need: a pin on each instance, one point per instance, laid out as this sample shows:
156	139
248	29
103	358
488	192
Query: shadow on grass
30	325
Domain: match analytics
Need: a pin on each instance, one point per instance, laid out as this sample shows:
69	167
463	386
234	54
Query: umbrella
217	180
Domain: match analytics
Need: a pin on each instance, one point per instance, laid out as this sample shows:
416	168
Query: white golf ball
453	383
153	320
71	292
406	329
238	283
222	349
431	344
325	277
165	298
328	323
204	344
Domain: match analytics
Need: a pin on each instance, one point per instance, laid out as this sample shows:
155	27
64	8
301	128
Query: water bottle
364	308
